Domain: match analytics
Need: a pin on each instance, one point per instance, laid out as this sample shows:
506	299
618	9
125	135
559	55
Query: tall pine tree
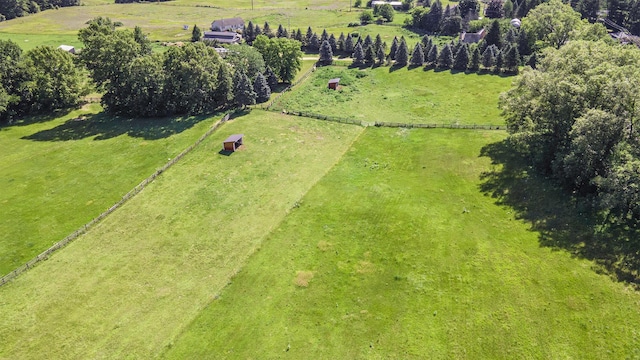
417	57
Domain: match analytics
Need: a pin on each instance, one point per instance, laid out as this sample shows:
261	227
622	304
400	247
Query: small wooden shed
333	83
233	142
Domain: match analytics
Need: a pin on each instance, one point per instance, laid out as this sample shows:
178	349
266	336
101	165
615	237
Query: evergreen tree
285	34
324	36
272	79
511	36
333	43
280	32
358	55
451	25
512	60
256	32
326	54
494	37
522	10
266	30
533	61
224	89
417	57
394	48
499	62
349	46
261	88
425	41
488	58
298	36
243	93
402	55
380	54
589	9
434	17
494	9
378	43
196	34
445	59
308	36
247	33
367	42
314	43
507	9
461	61
618	11
474	64
340	42
370	55
432	56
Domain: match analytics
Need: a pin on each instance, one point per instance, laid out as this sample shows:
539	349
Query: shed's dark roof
222	36
234	138
336	80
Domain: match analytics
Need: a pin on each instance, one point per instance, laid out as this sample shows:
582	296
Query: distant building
223	37
231	24
67	48
472	38
395	4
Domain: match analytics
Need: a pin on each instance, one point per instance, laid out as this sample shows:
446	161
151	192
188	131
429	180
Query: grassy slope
130	285
56	175
403	95
164	21
410	260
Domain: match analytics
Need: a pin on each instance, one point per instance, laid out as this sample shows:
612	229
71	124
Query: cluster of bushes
41	80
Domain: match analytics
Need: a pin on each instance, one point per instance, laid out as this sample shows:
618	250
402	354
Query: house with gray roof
231	24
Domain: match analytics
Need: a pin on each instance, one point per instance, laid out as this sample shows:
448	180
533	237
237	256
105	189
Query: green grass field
130	285
403	96
59	173
396	254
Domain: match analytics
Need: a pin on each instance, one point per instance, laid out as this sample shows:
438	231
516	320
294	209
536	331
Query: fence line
268	105
138	188
444	126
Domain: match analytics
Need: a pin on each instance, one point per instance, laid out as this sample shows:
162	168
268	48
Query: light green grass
164	22
402	96
397	254
130	285
60	173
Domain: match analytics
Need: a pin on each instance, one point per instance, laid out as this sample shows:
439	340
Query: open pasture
131	284
397	254
60	172
401	95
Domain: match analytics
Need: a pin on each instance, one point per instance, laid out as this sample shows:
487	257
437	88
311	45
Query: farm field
397	254
402	96
58	173
128	287
164	22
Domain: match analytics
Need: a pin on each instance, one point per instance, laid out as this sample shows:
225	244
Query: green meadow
60	172
404	95
132	283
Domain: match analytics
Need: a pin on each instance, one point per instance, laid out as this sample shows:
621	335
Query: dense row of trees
10	9
42	79
576	118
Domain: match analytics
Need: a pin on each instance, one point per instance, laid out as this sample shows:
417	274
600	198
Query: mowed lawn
401	95
134	282
397	254
58	173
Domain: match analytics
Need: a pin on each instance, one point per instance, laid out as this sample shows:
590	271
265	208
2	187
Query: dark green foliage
523	43
282	55
223	94
324	37
402	55
281	32
314	43
384	10
394	48
358	55
618	11
451	25
432	56
261	88
248	33
10	9
499	62
326	54
245	58
461	61
367	42
266	30
512	60
349	46
589	9
507	8
488	57
370	55
366	17
142	40
378	43
380	56
243	93
495	9
272	79
445	59
196	33
308	36
469	8
417	56
494	35
298	36
340	44
474	63
333	43
533	61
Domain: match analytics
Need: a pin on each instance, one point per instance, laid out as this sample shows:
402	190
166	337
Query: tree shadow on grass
35	119
562	221
104	126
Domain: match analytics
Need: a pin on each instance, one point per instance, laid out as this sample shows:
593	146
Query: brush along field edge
134	281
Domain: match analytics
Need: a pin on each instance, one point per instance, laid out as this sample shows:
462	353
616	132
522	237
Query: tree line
10	9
